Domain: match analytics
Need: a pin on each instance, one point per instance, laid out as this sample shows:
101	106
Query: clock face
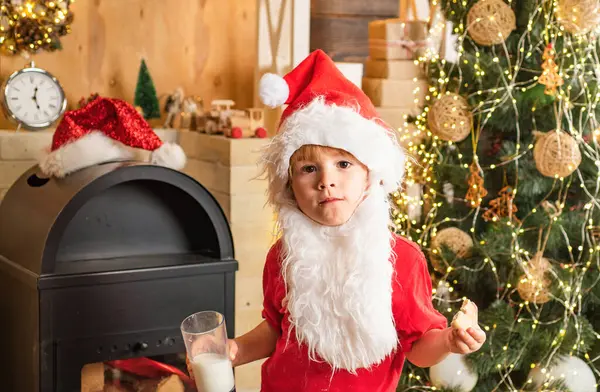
34	98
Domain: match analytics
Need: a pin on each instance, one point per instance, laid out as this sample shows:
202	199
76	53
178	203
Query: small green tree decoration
145	93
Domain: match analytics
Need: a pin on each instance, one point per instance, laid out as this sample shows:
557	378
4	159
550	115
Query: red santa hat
326	109
100	132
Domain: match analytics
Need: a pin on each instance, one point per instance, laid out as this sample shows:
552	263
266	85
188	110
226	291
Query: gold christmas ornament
533	285
456	240
476	191
490	22
550	77
556	154
502	206
450	118
578	16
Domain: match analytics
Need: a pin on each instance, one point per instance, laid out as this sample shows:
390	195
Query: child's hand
465	336
467	341
233	350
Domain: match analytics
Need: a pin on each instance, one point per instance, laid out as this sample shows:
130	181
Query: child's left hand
465	336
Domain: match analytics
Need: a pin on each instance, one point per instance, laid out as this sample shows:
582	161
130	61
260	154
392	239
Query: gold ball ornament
456	240
490	22
533	285
578	16
556	154
450	118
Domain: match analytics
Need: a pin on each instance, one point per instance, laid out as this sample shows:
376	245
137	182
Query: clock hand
35	98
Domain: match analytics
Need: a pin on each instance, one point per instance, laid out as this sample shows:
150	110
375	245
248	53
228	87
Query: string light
576	112
30	26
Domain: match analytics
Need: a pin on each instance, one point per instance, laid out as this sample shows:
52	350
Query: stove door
137	313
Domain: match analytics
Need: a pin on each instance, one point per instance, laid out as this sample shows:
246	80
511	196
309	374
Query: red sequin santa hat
326	109
100	132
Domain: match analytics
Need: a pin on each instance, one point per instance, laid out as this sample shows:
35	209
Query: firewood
171	384
116	388
168	384
92	377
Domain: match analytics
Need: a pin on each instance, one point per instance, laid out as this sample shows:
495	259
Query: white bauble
453	372
448	189
573	371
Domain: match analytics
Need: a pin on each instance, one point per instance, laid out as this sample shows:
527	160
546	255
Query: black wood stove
104	265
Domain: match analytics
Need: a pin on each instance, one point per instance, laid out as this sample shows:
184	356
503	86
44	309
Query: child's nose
327	180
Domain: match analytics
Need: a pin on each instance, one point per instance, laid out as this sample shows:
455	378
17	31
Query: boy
345	301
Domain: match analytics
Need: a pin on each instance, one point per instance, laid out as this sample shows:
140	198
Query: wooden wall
208	47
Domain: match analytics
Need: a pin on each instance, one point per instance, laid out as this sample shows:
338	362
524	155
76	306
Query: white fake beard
339	284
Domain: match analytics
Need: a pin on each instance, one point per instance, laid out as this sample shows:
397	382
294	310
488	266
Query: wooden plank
383	8
283	42
343	38
248	293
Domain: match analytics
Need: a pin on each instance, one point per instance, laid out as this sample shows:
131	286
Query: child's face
328	186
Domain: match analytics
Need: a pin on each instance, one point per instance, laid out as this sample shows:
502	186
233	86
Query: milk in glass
213	373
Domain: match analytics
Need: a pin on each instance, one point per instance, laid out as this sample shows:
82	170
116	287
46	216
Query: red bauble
236	133
260	133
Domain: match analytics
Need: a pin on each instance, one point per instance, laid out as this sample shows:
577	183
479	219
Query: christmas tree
145	93
508	171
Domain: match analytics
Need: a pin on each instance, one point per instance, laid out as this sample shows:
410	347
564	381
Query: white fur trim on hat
273	90
170	155
88	150
334	126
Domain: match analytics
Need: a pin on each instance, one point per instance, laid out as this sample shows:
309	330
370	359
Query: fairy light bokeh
27	26
578	60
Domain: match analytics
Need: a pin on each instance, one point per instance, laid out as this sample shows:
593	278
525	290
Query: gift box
396	116
394	39
352	71
392	69
395	93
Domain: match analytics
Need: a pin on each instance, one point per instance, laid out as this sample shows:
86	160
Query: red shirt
289	368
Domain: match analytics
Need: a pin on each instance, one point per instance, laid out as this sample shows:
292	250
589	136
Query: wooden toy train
221	118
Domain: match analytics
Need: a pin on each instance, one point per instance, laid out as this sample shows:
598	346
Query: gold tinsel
533	285
502	206
459	242
490	22
476	191
450	118
550	77
556	153
31	26
578	16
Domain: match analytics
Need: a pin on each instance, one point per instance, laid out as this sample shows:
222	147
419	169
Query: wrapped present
396	116
392	69
394	39
352	71
395	93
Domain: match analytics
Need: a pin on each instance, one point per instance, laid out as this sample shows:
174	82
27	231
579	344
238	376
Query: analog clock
33	98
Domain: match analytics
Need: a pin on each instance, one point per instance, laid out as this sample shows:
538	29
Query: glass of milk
205	338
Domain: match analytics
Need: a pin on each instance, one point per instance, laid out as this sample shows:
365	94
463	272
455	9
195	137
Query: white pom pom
170	155
273	90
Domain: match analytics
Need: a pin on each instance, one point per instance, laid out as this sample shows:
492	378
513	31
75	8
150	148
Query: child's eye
309	169
344	164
